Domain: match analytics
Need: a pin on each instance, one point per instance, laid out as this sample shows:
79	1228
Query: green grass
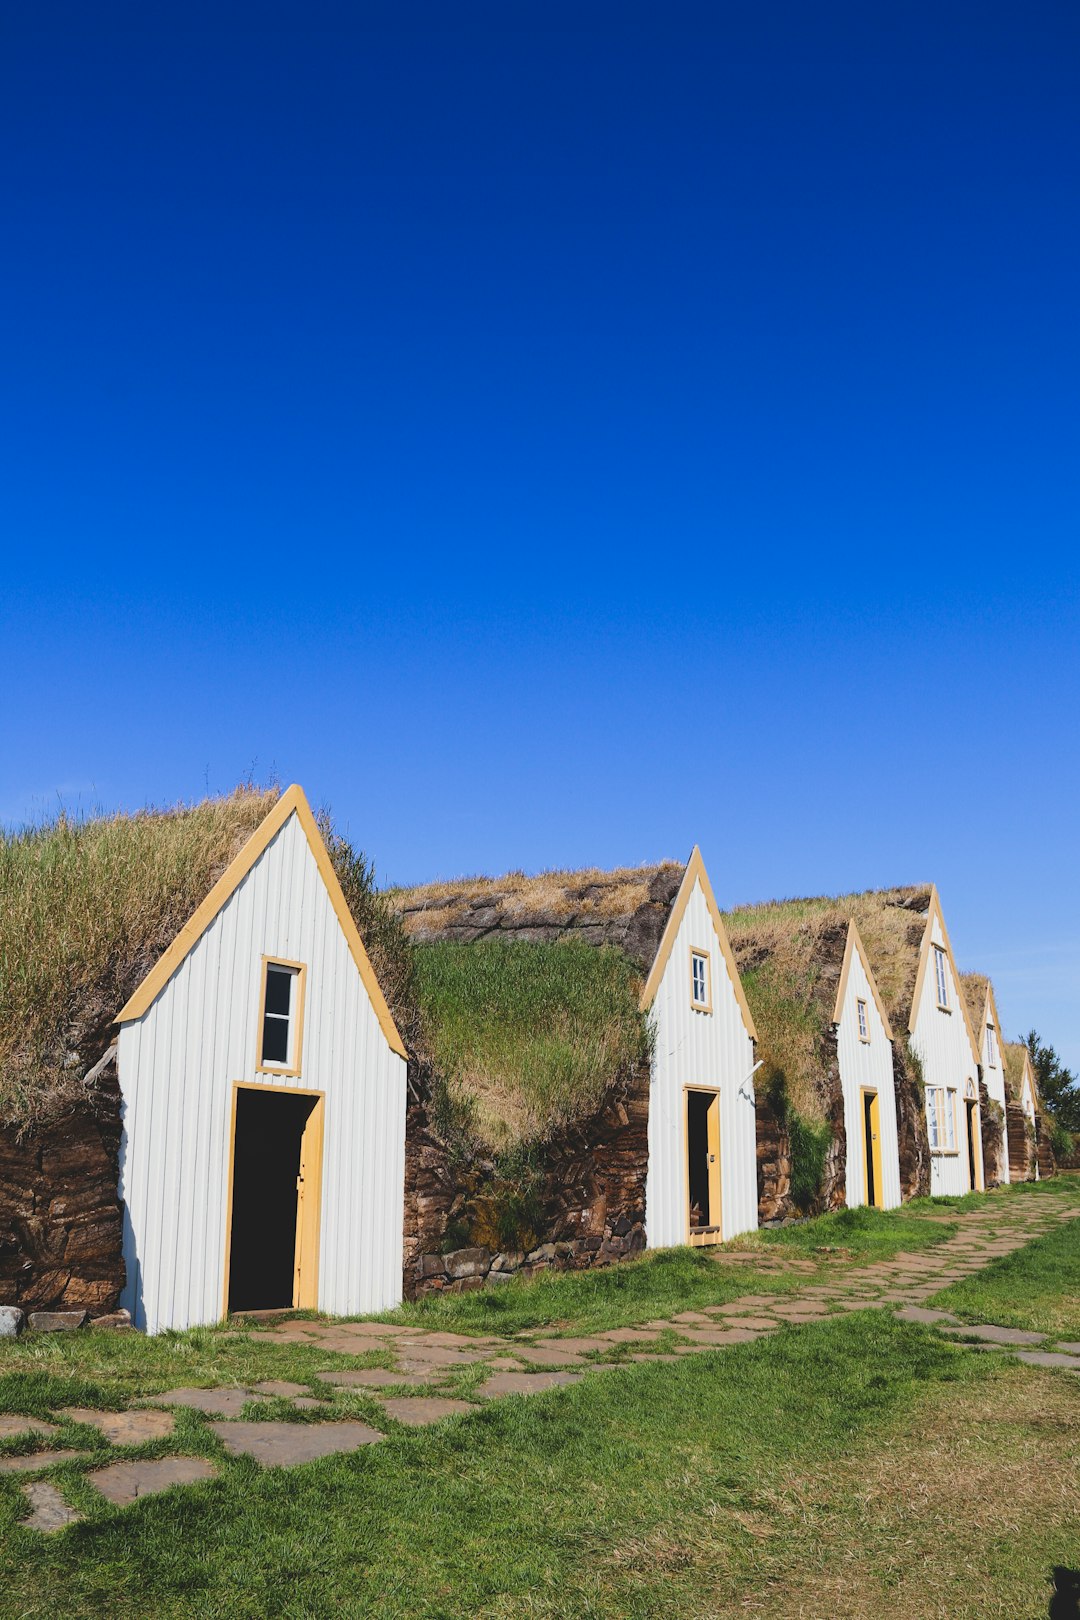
527	1036
1037	1287
712	1486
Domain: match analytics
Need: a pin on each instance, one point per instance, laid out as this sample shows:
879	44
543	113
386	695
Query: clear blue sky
558	434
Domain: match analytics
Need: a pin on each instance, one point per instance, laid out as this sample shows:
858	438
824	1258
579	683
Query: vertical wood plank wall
699	1049
867	1065
177	1065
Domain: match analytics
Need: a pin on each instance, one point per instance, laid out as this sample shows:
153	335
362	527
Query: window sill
940	1008
695	1007
944	1153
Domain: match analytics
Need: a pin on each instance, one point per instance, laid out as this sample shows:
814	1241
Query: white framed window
700	980
864	1020
991	1047
941	977
933	1118
281	1016
950	1120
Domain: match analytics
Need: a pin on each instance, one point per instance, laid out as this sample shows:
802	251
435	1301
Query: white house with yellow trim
986	1026
941	1034
263	1086
702	1177
865	1054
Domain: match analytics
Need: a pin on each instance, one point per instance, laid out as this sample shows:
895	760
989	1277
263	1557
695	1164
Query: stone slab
918	1313
541	1356
581	1346
34	1460
49	1511
510	1383
56	1321
218	1402
717	1337
124	1428
124	1482
279	1386
438	1355
418	1410
629	1335
11	1424
285	1445
1070	1349
760	1324
996	1335
1049	1358
308	1403
373	1378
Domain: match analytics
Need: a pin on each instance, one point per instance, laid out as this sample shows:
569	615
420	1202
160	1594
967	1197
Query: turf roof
88	905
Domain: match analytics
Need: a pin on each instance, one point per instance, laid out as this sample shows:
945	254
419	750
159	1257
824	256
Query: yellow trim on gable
696	873
292	802
854	943
924	958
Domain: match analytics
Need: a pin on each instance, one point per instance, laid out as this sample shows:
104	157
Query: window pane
950	1118
278	990
932	1117
275	1046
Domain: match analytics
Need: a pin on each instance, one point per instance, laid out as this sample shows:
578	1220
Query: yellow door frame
973	1125
713	1232
875	1143
308	1196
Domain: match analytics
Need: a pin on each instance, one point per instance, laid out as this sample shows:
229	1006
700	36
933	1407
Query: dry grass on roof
1014	1054
891	923
86	907
790	953
557	894
975	986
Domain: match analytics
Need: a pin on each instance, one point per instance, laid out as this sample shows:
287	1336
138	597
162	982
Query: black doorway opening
697	1150
266	1165
868	1141
970	1106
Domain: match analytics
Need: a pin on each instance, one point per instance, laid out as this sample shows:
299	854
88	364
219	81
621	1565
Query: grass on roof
890	930
791	1029
528	1036
88	905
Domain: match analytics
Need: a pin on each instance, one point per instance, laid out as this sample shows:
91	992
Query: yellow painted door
308	1201
872	1147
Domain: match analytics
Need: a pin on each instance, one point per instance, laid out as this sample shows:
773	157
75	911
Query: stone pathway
414	1391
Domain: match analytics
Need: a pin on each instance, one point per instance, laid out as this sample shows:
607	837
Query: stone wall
994	1146
774	1150
1044	1152
60	1218
588	1197
1022	1155
911	1135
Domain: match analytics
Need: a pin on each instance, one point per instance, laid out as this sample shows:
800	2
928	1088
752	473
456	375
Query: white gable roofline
695	873
293	802
855	944
924	960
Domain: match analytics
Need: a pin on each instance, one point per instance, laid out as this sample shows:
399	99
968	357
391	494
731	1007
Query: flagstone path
414	1391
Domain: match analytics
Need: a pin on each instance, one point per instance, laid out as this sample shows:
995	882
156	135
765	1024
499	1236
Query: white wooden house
865	1052
941	1034
263	1100
702	1179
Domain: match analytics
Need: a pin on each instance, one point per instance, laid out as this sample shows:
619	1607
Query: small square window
942	980
700	987
864	1021
281	1017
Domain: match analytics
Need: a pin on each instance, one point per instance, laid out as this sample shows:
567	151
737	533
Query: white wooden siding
941	1040
177	1066
867	1065
712	1050
994	1079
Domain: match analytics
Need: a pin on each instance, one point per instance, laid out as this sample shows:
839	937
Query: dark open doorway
873	1191
268	1151
703	1165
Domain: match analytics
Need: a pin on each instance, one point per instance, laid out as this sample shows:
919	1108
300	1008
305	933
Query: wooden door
872	1147
308	1204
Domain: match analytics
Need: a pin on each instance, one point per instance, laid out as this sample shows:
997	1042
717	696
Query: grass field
1037	1288
859	1467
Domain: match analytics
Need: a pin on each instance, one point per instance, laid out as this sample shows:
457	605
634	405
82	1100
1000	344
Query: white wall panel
870	1065
994	1078
177	1067
699	1049
941	1040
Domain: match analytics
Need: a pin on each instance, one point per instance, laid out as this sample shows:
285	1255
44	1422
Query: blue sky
559	435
